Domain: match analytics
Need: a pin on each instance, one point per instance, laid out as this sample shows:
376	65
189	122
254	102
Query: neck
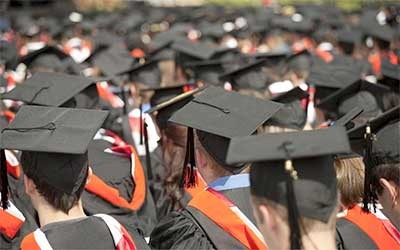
319	240
394	217
48	214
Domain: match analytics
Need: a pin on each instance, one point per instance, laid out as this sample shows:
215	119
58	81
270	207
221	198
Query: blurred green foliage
343	4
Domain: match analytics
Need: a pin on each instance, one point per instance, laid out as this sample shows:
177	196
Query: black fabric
115	171
304	144
178	231
353	237
83	233
55	89
190	229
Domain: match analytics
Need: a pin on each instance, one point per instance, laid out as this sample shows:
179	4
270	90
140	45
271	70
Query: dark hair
390	170
348	48
56	198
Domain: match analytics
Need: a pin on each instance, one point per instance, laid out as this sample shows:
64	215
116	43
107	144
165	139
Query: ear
390	188
264	216
90	173
200	158
30	187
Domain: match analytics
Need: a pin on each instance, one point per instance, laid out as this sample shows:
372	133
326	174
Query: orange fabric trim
29	243
9	224
15	171
8	114
224	217
200	186
324	55
110	194
373	227
137	53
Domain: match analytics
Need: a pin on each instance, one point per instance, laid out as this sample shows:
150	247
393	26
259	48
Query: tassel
141	124
368	162
189	177
3	179
148	159
293	213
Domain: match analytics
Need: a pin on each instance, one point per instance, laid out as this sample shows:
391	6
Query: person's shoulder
179	230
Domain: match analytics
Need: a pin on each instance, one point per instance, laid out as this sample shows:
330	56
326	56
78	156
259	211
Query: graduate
55	162
218	217
293	185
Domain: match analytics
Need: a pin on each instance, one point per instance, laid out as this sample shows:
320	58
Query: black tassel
293	212
189	177
141	124
368	162
3	179
148	159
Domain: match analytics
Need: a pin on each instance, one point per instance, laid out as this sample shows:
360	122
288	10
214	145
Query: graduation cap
147	73
329	78
247	76
361	93
350	36
374	140
347	119
219	115
166	108
292	114
294	169
207	71
48	57
162	94
113	60
54	143
56	89
9	54
196	50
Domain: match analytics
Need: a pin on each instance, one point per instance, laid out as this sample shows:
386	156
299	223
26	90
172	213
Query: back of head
49	184
350	180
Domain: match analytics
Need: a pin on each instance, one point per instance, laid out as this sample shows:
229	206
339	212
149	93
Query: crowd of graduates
203	127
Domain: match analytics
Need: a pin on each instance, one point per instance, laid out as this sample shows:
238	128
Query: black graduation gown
190	229
84	233
22	202
115	172
350	236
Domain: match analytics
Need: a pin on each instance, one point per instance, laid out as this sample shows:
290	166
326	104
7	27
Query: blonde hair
350	180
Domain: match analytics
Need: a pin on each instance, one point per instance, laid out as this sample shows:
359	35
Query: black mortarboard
248	76
162	94
347	119
207	71
113	60
48	57
147	73
8	53
294	169
54	142
391	75
347	35
376	140
292	114
219	115
330	78
381	32
361	93
196	50
290	96
55	89
166	108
